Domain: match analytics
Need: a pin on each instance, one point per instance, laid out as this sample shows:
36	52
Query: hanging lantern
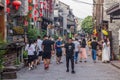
36	5
41	14
30	8
8	10
16	4
30	15
25	23
35	18
35	12
29	1
7	2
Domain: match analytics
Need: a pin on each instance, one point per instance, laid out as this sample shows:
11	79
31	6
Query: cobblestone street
84	71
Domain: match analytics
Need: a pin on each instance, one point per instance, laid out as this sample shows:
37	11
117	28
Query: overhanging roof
113	9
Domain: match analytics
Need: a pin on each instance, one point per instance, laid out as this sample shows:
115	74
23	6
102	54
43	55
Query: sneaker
29	68
85	61
73	72
67	70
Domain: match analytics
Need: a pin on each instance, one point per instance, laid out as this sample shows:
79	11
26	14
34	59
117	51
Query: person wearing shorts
31	49
58	50
47	49
39	46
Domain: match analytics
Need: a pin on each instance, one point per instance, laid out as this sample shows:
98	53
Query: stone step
9	75
10	69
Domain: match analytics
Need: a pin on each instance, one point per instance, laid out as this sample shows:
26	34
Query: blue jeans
76	56
94	54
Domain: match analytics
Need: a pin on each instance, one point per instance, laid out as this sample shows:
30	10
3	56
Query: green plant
17	61
2	52
33	33
25	54
42	33
87	25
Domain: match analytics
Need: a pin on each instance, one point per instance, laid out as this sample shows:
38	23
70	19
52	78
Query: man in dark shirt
94	45
69	50
47	46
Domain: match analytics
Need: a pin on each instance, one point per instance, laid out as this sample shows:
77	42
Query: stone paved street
84	71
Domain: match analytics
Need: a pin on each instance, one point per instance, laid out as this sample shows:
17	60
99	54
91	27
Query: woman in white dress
108	47
105	54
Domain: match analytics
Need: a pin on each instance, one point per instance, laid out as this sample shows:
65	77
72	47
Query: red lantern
7	2
41	14
8	10
35	12
29	1
36	5
30	8
35	18
25	23
16	4
30	15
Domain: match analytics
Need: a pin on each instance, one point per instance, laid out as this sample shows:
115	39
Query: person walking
89	47
105	53
69	50
39	51
58	50
47	46
31	49
77	49
94	45
83	54
108	48
35	54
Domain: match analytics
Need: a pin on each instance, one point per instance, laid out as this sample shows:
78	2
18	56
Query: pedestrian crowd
74	49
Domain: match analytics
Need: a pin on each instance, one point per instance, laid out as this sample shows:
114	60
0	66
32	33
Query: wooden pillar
2	23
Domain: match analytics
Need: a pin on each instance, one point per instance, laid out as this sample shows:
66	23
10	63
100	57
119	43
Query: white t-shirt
77	45
39	44
30	49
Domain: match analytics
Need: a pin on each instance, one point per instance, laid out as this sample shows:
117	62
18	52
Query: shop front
114	27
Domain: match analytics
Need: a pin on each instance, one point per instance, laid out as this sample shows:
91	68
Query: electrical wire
82	2
94	3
